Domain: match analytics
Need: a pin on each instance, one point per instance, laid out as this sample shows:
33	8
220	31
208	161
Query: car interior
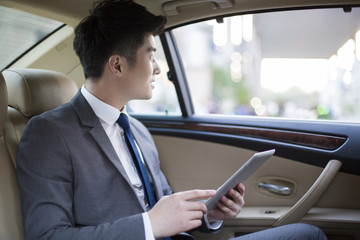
314	175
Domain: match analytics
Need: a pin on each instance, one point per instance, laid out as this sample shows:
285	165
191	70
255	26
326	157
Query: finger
229	204
234	206
196	206
193	224
241	189
196	194
195	215
225	209
227	201
236	202
190	224
235	195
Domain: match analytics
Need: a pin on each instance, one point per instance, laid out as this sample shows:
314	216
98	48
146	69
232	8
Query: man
80	171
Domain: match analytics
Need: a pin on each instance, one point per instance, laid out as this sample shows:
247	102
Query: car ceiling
72	11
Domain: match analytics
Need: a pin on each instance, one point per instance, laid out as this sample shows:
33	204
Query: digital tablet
240	176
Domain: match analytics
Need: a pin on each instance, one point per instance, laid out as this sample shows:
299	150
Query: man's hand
178	213
229	206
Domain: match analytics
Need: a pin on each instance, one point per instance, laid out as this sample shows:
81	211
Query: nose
157	69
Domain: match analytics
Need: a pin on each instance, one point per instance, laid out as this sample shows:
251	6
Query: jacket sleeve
46	180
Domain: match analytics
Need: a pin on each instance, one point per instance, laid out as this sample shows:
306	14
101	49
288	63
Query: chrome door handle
278	189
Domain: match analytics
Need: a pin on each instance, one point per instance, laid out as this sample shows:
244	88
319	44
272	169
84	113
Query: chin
150	94
146	97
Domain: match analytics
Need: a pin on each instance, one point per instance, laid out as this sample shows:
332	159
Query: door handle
299	210
278	189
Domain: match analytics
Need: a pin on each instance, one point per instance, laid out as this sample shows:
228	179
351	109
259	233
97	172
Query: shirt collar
104	111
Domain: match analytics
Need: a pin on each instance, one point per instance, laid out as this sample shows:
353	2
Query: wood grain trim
314	140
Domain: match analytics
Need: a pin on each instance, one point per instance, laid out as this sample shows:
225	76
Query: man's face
141	76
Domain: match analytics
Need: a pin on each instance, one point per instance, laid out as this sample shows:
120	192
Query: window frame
176	73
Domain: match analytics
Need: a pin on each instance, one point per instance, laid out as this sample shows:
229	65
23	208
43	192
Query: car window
19	31
302	64
164	100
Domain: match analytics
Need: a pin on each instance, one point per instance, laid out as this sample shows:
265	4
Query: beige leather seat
10	210
32	92
29	92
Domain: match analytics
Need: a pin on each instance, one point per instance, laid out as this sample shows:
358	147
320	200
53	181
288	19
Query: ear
116	64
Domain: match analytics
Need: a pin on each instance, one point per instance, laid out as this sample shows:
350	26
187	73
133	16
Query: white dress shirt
108	116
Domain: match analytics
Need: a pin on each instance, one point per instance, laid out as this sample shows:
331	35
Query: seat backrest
11	226
32	92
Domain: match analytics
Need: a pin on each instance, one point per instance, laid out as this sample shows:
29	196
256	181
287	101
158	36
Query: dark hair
113	27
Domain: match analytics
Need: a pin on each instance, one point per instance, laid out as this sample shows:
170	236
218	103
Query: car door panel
191	164
197	154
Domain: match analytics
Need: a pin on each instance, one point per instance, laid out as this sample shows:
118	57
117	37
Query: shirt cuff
149	235
213	225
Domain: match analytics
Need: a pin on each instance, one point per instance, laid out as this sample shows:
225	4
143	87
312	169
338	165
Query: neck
109	95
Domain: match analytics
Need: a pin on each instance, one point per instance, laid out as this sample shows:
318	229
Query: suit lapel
104	143
89	119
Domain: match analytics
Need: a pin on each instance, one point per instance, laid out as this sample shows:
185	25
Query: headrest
34	91
3	103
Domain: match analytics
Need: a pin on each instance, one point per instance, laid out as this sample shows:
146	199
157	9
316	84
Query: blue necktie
123	121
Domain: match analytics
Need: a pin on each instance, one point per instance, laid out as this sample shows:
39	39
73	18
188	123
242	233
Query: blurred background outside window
297	64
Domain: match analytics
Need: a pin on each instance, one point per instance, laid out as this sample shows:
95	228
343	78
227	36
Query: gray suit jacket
72	183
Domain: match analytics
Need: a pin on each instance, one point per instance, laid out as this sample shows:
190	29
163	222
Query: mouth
152	83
